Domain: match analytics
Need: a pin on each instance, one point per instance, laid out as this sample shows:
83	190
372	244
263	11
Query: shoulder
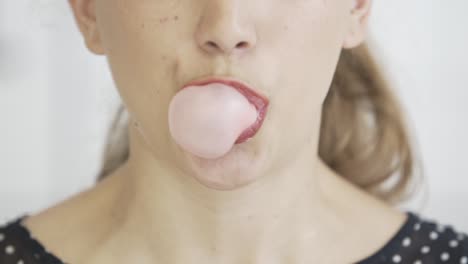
72	229
424	240
435	240
18	246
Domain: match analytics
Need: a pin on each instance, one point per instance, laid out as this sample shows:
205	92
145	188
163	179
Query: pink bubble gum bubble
207	120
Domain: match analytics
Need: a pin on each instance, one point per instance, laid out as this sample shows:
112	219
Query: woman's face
285	49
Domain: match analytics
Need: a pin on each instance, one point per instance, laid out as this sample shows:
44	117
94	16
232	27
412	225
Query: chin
241	166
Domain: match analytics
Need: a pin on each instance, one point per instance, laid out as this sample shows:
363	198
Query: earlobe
359	16
85	18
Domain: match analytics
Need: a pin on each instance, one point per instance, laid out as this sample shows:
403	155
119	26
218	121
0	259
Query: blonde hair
363	135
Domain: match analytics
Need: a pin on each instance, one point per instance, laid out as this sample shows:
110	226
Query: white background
56	100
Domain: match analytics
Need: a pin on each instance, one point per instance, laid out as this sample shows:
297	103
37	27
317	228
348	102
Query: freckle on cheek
163	20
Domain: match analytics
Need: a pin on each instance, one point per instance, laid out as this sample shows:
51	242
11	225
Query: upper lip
259	100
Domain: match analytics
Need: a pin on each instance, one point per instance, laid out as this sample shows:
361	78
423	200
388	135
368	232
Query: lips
260	102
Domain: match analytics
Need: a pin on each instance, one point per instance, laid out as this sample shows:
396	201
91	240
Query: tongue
207	120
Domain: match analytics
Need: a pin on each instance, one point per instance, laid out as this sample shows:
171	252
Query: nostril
212	44
242	44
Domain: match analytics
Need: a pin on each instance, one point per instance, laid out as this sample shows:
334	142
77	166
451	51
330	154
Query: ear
359	16
85	18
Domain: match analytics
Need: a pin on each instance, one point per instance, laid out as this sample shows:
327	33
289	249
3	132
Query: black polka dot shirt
418	241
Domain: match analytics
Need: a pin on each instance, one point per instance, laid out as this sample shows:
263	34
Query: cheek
312	37
139	29
140	54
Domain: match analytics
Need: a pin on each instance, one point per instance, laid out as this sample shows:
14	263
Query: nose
224	29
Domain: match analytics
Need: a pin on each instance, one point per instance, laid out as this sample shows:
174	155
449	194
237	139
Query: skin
270	199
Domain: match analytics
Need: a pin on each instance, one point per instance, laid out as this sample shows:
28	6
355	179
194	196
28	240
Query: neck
174	209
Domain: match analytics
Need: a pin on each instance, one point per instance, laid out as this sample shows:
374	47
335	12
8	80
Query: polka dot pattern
417	226
17	246
9	249
406	242
425	249
433	235
464	260
422	241
453	243
440	228
418	241
445	256
396	259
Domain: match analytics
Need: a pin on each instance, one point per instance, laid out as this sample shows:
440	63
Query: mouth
259	101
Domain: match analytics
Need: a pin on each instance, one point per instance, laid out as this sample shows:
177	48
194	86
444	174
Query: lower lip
261	104
253	129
